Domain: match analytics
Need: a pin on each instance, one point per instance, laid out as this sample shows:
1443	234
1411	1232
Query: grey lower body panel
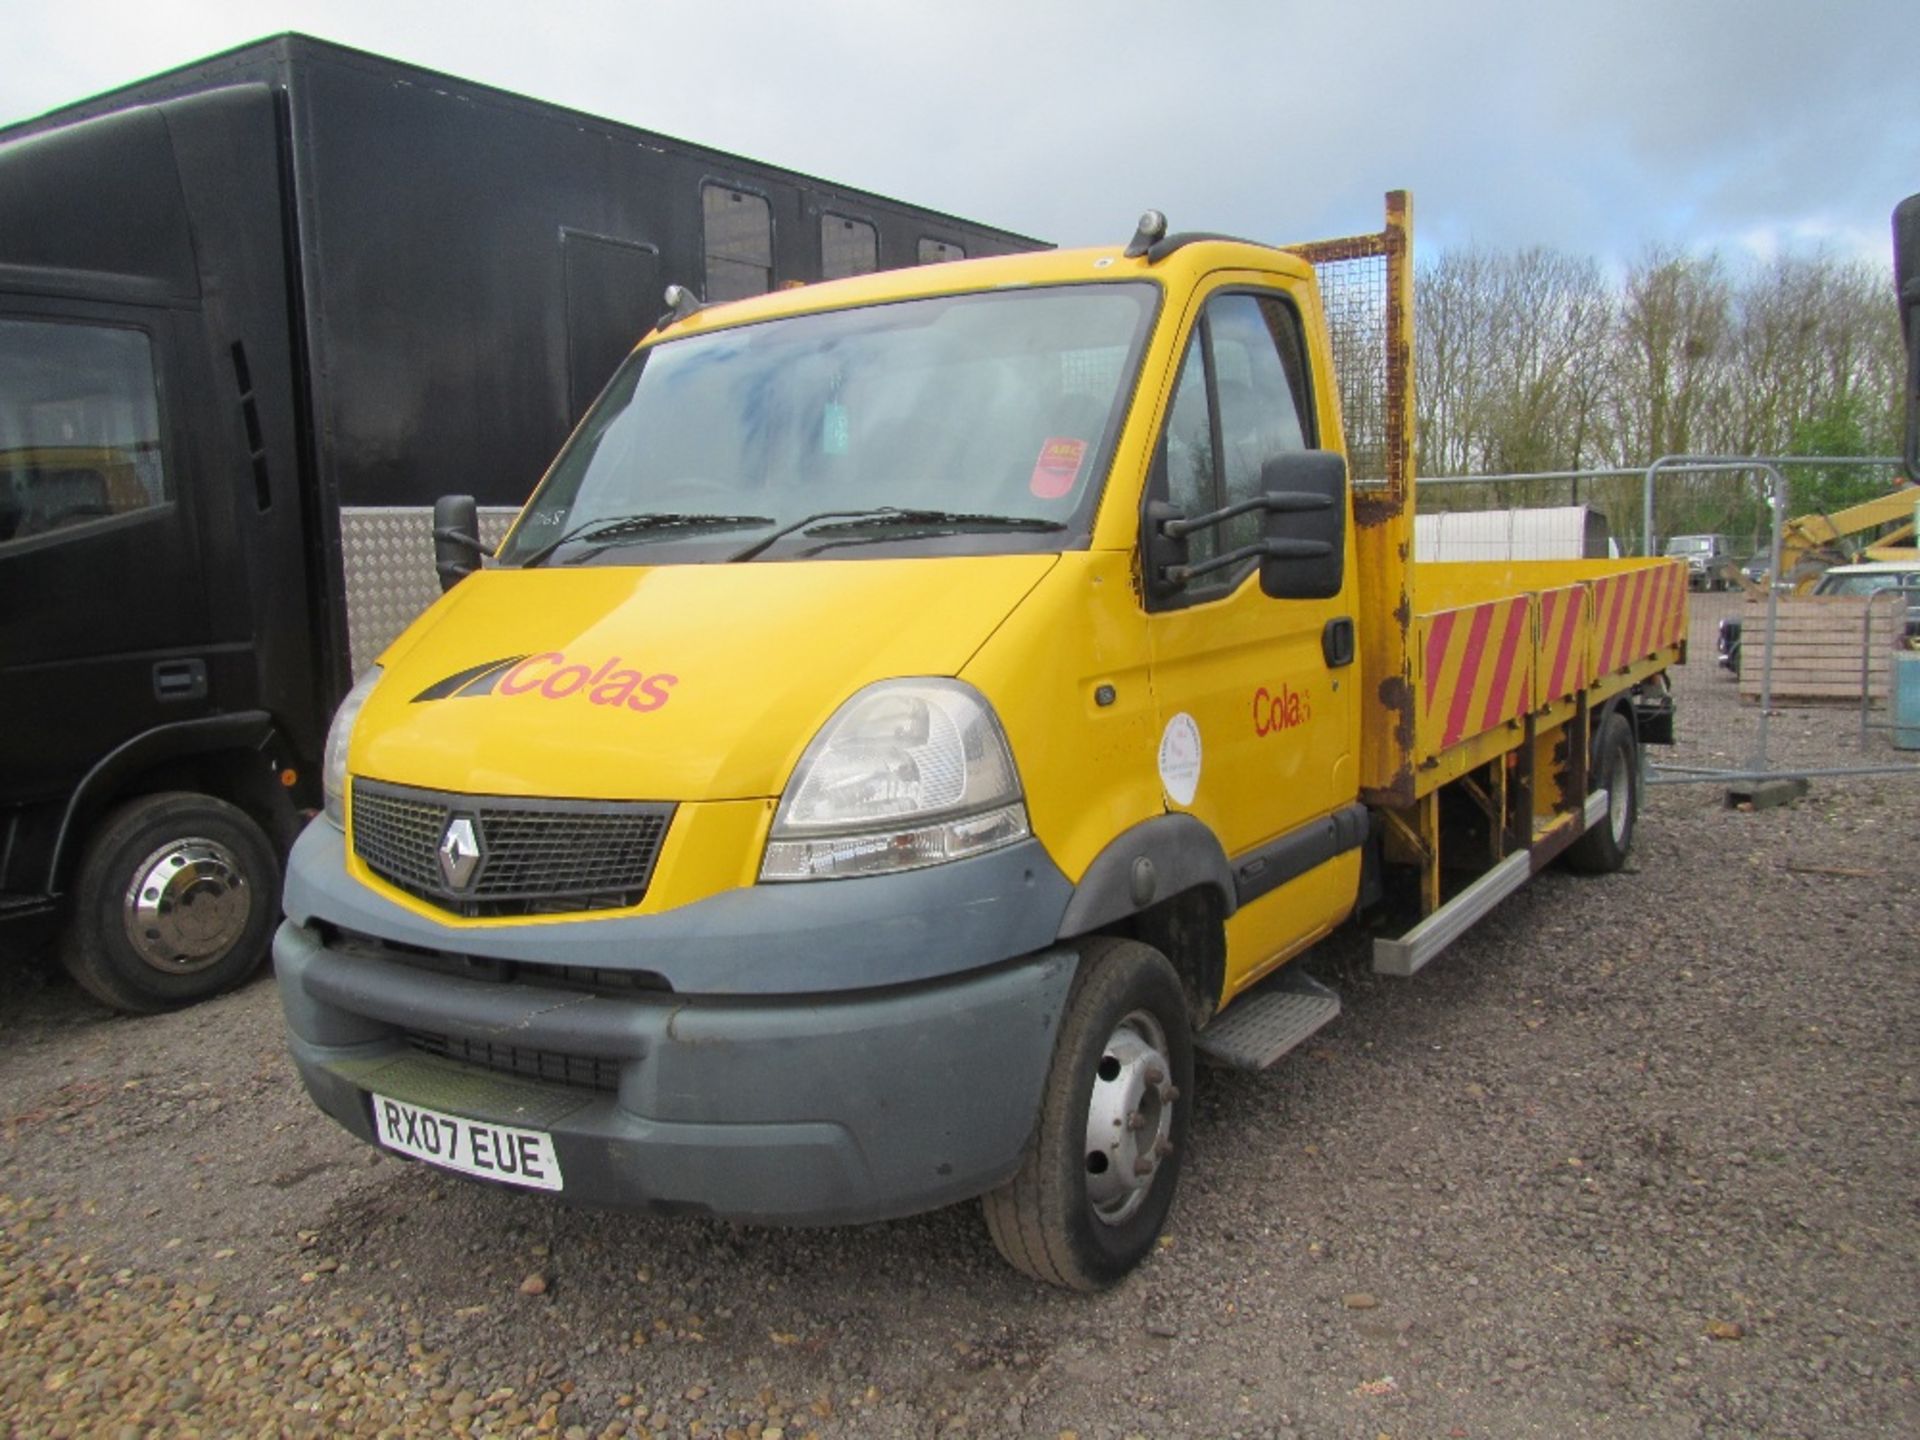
825	1109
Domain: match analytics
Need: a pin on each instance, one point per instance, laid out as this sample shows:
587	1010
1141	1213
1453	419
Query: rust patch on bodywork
1395	694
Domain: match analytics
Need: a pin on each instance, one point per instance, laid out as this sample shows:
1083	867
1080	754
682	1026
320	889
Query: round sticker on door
1180	758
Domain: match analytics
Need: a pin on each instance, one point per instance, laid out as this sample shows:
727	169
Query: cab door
103	597
1254	695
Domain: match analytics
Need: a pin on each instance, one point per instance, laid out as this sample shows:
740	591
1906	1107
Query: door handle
180	680
1336	642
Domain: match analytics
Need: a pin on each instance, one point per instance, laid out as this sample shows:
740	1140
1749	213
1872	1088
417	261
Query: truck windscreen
982	407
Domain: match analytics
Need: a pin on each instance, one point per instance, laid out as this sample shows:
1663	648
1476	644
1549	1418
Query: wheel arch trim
1179	851
103	784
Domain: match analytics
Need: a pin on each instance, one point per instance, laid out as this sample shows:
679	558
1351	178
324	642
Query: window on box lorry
79	426
613	293
847	247
739	230
933	252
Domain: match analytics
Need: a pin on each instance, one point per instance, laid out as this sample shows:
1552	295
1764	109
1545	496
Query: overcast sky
1601	127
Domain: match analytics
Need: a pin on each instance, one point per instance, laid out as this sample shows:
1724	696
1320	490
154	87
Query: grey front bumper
828	1106
812	1111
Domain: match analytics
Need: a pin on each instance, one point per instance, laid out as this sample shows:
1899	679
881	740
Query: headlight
907	773
333	769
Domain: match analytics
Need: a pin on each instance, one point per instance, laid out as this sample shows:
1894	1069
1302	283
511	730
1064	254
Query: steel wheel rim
187	906
1619	791
1129	1118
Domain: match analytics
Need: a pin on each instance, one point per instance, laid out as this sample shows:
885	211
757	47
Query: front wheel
1616	766
1094	1190
174	901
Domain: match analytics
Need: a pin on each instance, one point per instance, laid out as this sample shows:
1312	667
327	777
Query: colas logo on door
1283	711
552	675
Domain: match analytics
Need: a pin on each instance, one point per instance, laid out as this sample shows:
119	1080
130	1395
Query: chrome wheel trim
186	906
1129	1118
1620	795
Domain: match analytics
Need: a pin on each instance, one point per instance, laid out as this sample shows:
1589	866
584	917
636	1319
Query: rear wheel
1616	768
1098	1180
174	901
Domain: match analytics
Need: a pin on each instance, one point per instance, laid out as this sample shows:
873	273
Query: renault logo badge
459	853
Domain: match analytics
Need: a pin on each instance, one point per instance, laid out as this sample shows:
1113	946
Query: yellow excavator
1810	544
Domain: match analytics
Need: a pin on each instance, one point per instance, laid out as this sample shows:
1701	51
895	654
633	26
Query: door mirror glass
1320	474
456	538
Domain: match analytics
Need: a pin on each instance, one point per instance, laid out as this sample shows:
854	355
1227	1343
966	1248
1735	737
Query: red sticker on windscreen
1057	468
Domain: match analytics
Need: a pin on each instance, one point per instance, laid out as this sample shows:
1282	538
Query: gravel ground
1633	1158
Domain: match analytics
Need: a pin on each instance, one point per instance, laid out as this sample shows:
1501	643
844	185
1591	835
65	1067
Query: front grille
536	856
580	1072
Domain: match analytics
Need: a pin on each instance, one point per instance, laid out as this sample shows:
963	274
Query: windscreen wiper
890	515
611	527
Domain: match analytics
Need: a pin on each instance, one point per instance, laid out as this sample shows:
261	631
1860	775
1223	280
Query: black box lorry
255	314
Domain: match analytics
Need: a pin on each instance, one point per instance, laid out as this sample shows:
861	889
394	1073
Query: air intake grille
580	1072
536	856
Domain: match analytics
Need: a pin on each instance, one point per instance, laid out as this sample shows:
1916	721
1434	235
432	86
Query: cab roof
1184	263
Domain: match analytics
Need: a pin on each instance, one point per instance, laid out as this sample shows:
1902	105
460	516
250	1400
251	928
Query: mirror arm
1260	549
1273	502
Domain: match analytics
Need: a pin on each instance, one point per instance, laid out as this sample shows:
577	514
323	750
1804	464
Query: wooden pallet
1818	651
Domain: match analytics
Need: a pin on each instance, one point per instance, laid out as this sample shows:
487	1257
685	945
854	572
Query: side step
1258	1028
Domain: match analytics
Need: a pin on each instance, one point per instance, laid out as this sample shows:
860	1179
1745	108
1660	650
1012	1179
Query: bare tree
1452	343
1529	360
1669	348
1553	316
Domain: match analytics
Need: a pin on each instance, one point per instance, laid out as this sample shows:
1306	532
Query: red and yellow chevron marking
1638	612
1560	658
1478	671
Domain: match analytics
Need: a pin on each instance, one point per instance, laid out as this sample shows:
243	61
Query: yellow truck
913	716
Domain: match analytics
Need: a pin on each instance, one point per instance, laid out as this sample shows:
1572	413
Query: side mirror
456	538
1307	558
1906	284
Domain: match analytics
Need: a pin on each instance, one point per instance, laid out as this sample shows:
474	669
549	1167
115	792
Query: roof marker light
1152	228
681	302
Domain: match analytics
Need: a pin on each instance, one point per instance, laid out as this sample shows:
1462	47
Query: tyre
1616	768
1094	1190
175	900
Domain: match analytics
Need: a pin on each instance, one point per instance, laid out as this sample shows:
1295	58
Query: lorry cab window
79	426
974	405
1238	403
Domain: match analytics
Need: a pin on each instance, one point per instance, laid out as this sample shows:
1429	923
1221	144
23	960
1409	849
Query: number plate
473	1147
